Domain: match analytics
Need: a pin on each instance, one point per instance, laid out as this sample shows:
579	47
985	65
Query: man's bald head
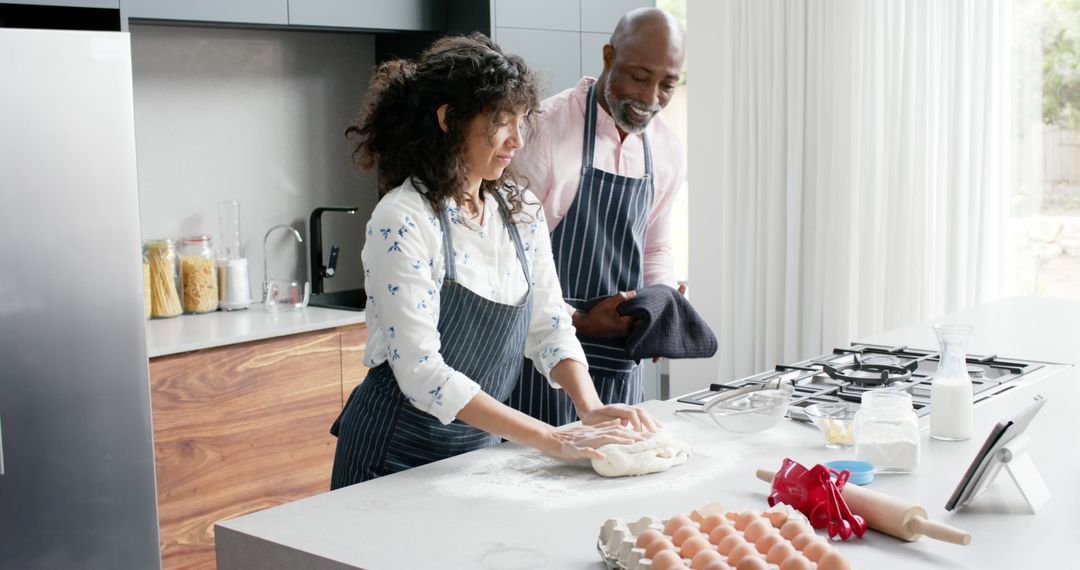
641	67
652	26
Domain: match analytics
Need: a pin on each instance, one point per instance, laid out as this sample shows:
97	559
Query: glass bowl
754	411
836	421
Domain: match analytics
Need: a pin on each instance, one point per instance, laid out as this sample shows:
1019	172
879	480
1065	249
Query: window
675	115
1043	256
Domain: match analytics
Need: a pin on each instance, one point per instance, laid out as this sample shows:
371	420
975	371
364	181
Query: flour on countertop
513	473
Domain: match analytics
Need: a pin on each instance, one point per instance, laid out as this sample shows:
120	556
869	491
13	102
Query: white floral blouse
403	273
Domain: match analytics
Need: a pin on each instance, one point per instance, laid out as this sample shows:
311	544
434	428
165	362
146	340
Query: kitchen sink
349	300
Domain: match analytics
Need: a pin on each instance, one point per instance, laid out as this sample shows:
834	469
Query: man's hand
604	320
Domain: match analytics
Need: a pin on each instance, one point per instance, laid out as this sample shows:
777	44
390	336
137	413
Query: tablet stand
1014	458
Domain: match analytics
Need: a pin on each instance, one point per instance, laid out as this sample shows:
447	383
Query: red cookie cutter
816	494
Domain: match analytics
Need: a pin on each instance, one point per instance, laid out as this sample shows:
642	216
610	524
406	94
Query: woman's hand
636	418
581	442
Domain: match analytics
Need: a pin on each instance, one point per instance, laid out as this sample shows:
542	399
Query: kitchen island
511	507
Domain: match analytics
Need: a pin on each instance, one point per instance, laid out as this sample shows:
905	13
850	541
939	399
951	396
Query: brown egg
647	537
658	546
797	562
729	543
752	563
833	560
666	560
791	529
721	532
712	521
697	516
739	552
675	523
692	546
776	518
816	550
780	552
716	565
745	519
704	557
756	529
731	515
683	533
767	541
799	541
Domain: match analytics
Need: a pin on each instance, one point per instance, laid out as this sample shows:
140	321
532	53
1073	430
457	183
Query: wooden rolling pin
892	516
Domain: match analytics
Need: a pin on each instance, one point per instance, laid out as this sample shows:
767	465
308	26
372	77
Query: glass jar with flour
887	432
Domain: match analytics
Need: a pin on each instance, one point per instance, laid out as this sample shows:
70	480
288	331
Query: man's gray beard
619	113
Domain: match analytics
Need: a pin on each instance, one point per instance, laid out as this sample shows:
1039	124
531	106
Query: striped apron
599	250
381	432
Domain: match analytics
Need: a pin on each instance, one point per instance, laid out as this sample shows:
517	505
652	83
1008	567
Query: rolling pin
890	515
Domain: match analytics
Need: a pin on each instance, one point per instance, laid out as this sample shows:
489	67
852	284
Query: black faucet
318	270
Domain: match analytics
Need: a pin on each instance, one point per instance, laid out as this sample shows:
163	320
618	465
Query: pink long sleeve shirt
551	161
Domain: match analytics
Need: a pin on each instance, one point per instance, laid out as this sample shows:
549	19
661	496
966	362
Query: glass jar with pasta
165	284
198	274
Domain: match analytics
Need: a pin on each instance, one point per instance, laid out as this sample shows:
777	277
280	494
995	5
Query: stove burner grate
867	372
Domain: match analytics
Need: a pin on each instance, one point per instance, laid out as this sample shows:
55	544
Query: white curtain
862	165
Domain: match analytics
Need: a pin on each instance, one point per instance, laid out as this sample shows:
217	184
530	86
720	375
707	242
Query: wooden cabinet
244	427
353	370
233	11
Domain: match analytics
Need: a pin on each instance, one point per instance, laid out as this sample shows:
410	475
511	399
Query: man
606	169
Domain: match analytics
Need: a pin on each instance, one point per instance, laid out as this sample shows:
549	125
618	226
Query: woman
459	273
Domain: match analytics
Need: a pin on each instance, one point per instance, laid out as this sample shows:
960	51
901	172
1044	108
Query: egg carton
622	546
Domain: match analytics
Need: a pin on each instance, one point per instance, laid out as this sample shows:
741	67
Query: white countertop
220	328
511	507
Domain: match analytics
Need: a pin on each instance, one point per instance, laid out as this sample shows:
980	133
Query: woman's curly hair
398	132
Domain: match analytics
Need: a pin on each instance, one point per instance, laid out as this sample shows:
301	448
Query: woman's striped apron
381	432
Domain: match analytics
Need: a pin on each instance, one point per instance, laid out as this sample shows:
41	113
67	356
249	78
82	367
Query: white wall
705	195
256	116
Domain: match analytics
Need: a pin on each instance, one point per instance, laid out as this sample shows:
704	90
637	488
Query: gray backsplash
254	116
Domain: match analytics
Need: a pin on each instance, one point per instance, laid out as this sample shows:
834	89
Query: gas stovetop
848	372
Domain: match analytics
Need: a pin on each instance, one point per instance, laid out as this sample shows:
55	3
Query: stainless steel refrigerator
77	489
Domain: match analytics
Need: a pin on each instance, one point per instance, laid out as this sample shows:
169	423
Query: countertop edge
187	333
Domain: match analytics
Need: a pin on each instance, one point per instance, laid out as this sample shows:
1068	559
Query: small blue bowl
861	472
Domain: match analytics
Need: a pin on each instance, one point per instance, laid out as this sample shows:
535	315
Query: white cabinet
232	11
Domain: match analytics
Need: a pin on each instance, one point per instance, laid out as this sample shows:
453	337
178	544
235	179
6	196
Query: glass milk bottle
951	397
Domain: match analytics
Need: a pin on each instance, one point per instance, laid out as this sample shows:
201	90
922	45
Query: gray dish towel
667	325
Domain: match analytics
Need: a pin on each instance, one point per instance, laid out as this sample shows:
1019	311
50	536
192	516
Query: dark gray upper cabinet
416	15
226	11
110	4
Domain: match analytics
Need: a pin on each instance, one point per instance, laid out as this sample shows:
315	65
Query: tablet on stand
1005	448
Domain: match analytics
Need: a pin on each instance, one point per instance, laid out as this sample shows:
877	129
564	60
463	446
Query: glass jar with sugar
887	432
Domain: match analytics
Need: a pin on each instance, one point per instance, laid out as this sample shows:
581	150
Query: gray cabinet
560	39
555	55
420	15
109	4
548	15
592	52
602	15
231	11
